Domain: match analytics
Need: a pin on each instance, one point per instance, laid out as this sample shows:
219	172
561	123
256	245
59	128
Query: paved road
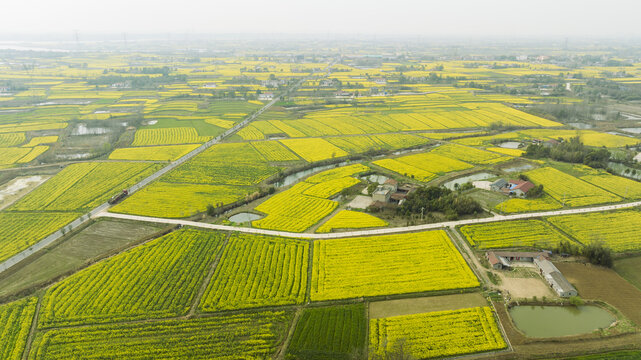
12	261
369	232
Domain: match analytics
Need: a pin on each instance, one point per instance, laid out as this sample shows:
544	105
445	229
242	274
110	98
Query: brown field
598	283
383	309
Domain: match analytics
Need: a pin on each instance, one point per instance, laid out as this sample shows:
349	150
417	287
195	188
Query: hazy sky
512	18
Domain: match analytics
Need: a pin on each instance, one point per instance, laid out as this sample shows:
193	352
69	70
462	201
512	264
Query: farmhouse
520	187
553	276
497	262
513	187
503	259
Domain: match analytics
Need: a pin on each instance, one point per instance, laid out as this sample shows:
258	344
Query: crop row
239	336
437	334
22	229
157	279
258	271
16	319
530	233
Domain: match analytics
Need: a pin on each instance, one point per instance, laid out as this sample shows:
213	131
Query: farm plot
405	169
83	185
617	230
21	230
16	319
274	151
569	190
469	154
12	155
437	334
33	153
621	186
314	149
168	136
385	265
152	153
39	140
155	280
240	336
11	139
305	203
290	210
176	200
518	233
346	219
224	164
514	205
335	332
257	271
434	163
338	172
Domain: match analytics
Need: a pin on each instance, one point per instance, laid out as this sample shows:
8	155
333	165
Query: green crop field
16	319
257	271
336	332
158	279
245	336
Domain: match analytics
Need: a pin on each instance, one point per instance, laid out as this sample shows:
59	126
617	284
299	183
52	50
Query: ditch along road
383	231
14	260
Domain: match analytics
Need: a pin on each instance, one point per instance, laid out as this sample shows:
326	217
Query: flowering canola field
437	334
390	264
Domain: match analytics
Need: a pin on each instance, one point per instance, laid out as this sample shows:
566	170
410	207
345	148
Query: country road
12	261
382	231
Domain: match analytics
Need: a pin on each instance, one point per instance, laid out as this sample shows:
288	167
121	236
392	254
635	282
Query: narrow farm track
12	261
383	231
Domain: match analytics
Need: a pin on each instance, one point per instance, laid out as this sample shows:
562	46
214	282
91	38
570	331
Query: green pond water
555	321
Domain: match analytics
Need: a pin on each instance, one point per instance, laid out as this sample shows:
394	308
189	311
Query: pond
82	129
632	130
293	178
244	217
555	321
580	125
375	178
73	156
518	168
510	145
469	178
620	169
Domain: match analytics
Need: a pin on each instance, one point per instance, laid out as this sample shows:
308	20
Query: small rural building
392	184
553	276
520	187
521	255
499	185
497	262
266	96
382	194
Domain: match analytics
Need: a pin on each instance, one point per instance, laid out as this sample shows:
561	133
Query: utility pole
422	210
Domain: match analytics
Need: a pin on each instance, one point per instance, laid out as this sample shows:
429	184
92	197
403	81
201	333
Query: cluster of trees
596	253
164	70
138	82
572	151
439	199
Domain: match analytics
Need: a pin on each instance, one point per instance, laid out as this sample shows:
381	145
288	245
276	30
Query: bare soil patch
599	283
388	308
